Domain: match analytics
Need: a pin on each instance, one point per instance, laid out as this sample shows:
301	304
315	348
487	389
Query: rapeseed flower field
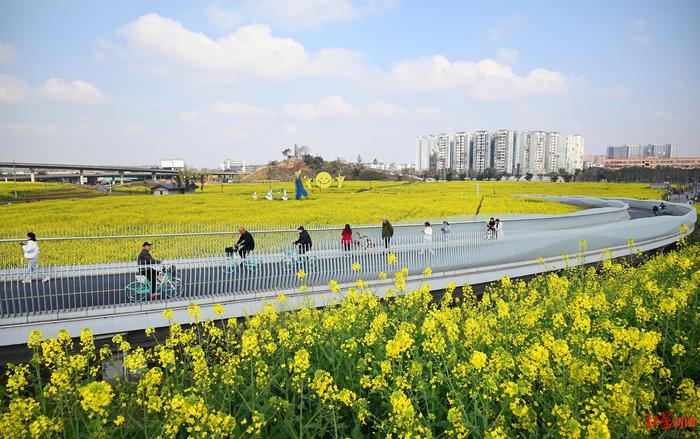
579	353
225	207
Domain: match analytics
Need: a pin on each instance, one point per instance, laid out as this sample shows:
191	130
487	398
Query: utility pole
14	177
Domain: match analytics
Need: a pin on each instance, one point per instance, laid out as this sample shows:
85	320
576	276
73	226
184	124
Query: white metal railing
114	243
76	287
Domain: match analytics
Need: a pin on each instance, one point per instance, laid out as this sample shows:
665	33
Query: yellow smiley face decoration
323	180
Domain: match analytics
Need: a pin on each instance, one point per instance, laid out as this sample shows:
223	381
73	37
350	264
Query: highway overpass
120	171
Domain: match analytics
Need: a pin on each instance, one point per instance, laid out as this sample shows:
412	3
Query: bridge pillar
121	177
32	175
80	177
153	176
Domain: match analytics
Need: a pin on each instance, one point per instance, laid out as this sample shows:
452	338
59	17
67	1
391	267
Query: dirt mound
282	171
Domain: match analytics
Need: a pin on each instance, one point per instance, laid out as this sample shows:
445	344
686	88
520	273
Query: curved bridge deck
93	295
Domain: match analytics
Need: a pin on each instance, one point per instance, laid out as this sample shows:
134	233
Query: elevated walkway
93	295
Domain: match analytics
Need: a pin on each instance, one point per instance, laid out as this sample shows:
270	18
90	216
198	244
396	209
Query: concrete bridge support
121	177
80	178
153	176
32	175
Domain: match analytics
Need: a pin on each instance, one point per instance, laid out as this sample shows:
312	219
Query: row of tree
629	175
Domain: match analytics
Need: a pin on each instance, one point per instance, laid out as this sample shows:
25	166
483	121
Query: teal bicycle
293	262
234	263
167	283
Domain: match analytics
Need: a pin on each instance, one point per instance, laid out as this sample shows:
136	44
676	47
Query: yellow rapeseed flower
478	360
218	310
356	266
95	397
168	314
194	311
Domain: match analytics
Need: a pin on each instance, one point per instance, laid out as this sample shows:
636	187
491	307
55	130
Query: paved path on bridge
107	289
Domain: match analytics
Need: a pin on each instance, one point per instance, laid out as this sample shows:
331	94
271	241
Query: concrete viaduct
100	171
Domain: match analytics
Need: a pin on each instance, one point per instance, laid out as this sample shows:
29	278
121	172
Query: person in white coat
498	229
427	237
30	248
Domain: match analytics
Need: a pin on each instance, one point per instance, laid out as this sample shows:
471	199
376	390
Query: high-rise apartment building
444	151
666	150
533	152
461	152
426	153
482	151
552	156
505	151
573	147
503	146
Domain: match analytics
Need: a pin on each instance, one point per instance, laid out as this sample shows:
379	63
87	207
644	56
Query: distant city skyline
136	82
502	151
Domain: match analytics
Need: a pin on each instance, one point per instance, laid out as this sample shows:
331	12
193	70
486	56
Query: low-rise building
654	162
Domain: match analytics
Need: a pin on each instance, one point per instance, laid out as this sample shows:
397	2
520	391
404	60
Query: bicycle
293	262
233	262
363	242
166	282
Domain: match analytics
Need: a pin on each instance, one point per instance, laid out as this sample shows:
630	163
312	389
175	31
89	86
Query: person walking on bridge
427	233
445	229
145	260
387	232
498	229
346	237
30	248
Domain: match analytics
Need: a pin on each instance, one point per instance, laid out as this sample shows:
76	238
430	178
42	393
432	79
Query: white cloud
330	106
103	49
291	129
508	56
252	51
428	112
31	129
7	54
77	92
486	79
189	117
335	106
223	18
253	54
12	91
241	110
297	14
386	110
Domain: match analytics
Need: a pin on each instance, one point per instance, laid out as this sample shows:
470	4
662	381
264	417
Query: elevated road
81	168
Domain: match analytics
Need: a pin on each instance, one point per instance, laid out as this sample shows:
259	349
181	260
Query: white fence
75	292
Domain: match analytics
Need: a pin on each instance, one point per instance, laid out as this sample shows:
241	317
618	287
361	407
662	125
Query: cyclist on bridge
304	242
245	243
146	259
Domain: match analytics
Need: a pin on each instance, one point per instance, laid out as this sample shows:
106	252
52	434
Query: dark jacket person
304	242
144	260
387	232
245	243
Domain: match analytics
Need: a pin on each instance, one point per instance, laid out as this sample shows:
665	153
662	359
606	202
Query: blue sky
134	82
